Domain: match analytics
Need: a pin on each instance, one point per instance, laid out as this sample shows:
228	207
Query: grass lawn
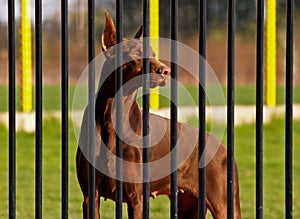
51	96
245	155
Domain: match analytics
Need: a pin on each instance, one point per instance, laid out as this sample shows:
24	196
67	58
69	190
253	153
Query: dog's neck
106	100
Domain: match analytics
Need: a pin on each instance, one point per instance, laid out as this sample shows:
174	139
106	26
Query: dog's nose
164	70
167	72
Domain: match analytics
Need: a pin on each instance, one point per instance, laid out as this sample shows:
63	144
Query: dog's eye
138	54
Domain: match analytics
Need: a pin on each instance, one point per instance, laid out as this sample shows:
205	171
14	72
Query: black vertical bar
64	104
119	110
289	110
174	103
146	82
91	85
38	113
259	107
230	109
202	110
12	109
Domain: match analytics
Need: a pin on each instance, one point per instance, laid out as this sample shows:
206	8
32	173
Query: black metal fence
202	106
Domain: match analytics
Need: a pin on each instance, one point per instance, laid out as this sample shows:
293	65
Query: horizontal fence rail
174	189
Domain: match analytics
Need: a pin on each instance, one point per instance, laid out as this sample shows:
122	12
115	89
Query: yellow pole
25	57
154	32
270	53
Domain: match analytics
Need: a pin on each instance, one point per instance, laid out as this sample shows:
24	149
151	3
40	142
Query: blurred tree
245	16
216	16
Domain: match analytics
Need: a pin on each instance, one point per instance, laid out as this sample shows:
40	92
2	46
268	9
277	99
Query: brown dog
216	174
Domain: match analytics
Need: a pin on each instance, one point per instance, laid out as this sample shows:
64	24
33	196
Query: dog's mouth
158	80
160	77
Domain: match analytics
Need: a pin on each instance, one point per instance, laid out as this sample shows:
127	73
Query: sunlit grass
244	153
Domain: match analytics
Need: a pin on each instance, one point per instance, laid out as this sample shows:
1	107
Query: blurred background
188	34
245	75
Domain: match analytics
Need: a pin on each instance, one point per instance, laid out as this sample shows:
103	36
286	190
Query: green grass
51	97
244	151
52	93
51	177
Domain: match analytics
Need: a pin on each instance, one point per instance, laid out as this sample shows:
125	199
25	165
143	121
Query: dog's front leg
85	207
135	208
97	207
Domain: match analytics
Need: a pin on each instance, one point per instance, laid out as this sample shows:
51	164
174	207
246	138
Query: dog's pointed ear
139	33
109	33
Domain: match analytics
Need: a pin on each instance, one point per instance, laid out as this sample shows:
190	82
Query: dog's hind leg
217	196
187	206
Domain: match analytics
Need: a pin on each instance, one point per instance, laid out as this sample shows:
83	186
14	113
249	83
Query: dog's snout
165	71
